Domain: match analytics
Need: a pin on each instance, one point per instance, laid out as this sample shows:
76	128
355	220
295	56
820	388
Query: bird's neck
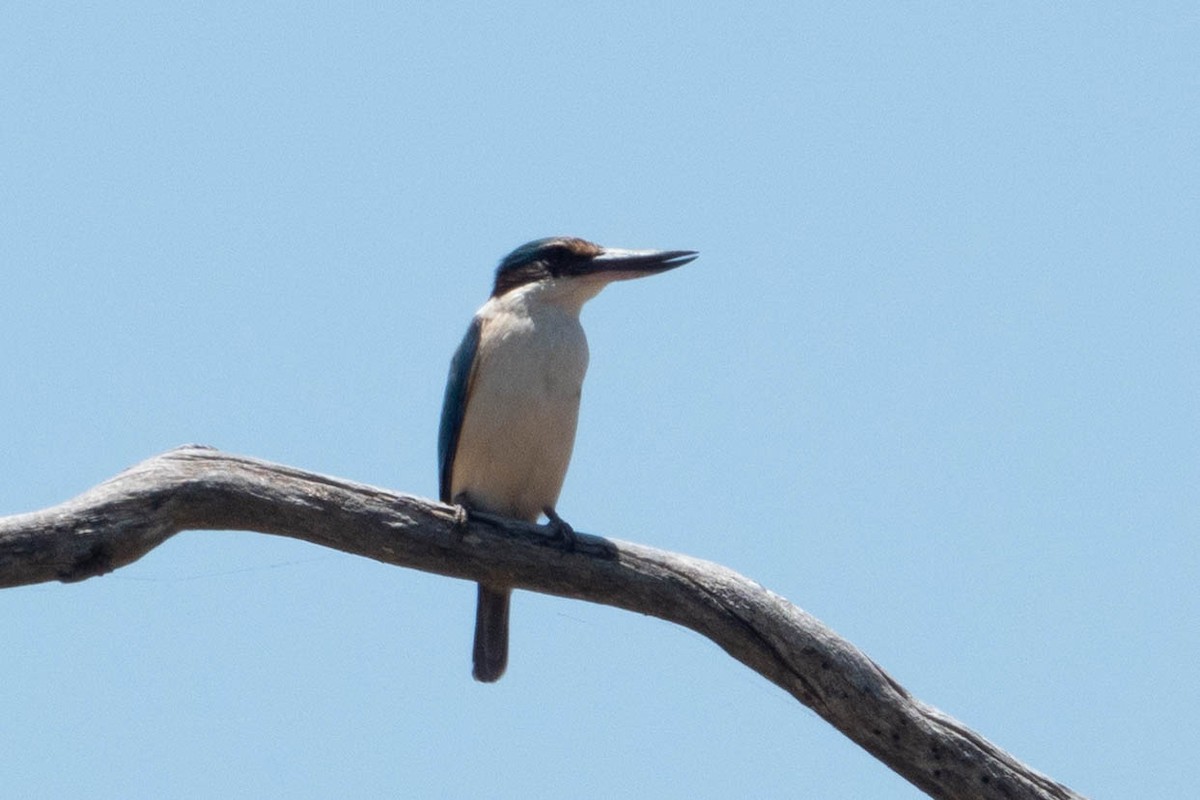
565	295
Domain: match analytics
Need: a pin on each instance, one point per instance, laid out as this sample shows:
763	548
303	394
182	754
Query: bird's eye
556	257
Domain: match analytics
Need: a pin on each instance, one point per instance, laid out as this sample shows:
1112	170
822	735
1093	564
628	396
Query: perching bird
512	399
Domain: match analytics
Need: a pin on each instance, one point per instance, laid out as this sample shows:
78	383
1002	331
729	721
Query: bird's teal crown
549	248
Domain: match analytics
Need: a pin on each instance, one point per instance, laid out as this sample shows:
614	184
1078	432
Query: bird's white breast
519	428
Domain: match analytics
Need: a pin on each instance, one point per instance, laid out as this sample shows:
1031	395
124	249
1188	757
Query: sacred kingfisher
512	399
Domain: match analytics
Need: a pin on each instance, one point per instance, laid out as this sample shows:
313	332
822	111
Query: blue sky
934	379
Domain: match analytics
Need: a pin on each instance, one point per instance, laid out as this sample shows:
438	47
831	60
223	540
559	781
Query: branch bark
198	488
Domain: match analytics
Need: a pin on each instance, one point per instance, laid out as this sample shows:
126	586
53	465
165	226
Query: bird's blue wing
454	406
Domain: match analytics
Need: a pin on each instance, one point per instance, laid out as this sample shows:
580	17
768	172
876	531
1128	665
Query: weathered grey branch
194	487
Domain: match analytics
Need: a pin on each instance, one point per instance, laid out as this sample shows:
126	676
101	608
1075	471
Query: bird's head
569	259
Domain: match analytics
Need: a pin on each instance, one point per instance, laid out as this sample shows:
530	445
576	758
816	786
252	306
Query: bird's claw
560	530
462	514
462	521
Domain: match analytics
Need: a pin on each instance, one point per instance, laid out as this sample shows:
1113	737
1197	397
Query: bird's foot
467	512
560	530
462	514
461	524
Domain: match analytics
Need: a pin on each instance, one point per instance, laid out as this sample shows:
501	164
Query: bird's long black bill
641	262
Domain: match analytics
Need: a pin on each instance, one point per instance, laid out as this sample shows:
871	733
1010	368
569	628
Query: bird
512	398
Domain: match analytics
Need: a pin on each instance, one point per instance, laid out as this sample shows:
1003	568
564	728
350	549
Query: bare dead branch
194	487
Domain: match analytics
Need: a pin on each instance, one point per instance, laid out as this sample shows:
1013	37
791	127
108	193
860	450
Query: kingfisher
512	398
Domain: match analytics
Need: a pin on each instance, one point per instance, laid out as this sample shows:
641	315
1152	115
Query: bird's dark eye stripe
555	252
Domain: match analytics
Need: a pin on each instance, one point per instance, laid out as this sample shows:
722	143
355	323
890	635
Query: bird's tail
491	633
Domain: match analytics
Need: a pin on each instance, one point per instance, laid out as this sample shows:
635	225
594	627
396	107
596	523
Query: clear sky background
934	378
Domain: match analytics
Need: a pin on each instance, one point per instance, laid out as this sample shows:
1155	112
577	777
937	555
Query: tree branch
194	487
